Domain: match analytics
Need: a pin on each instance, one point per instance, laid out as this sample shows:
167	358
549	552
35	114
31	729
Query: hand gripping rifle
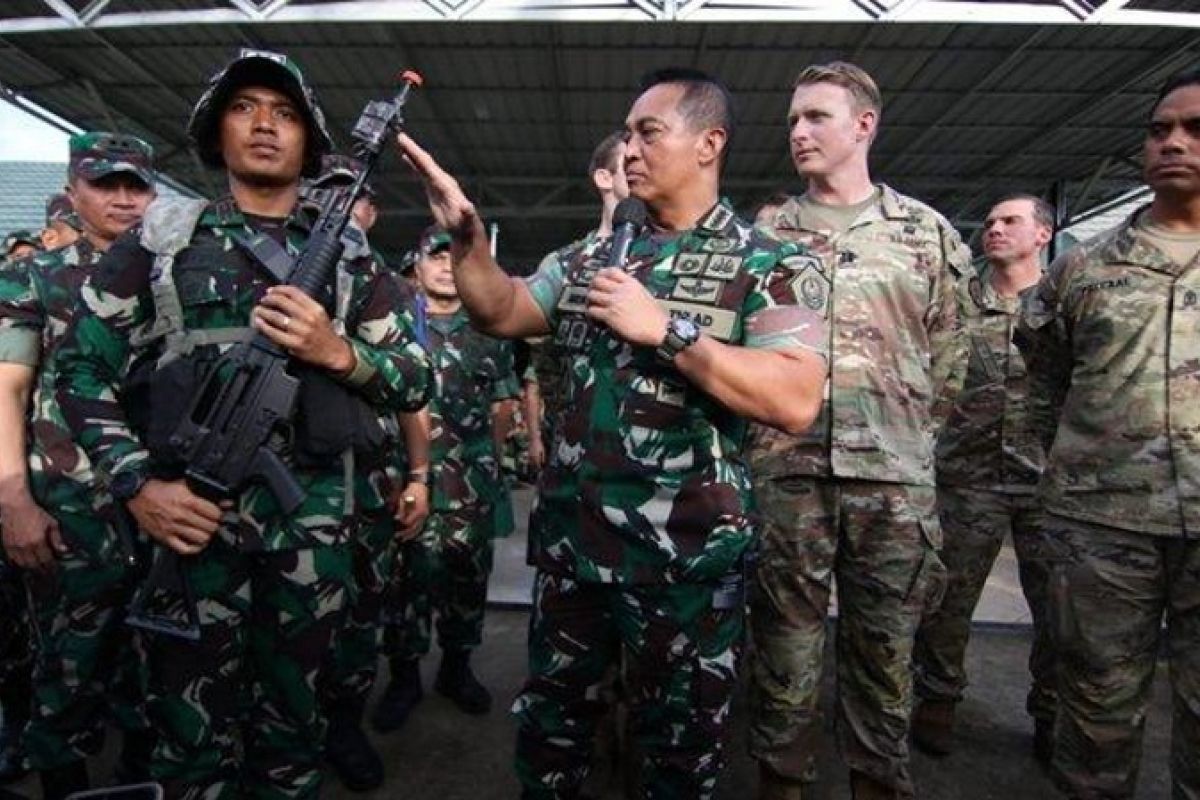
224	439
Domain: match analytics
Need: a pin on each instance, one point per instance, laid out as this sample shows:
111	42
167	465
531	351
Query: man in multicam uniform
391	506
79	572
445	569
989	460
855	496
237	711
1112	339
642	519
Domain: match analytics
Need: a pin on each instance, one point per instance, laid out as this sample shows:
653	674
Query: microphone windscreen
630	211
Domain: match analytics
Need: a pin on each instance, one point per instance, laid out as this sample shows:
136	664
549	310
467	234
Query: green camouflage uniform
84	663
641	524
354	657
446	567
271	589
549	368
989	460
85	671
854	497
1112	339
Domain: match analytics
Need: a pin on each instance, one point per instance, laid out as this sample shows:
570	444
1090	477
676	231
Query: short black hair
1189	76
706	102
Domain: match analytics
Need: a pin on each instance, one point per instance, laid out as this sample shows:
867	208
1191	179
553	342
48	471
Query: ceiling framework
66	15
972	111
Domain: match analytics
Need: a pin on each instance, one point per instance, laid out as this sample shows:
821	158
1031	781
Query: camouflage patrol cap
339	170
16	238
60	209
433	239
97	154
272	71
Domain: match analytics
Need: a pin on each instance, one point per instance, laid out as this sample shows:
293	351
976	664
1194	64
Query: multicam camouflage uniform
854	496
446	567
84	664
1112	339
641	525
270	588
989	460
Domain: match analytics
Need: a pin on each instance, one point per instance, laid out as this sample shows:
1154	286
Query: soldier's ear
1044	235
712	144
603	179
867	123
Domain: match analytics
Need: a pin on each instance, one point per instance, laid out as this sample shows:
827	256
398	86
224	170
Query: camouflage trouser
682	644
15	647
86	671
974	525
237	712
1108	615
881	542
446	570
354	658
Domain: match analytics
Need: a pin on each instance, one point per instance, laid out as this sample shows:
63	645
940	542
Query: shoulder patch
809	283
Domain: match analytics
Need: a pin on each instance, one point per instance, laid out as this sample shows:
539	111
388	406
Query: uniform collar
224	213
890	205
1130	246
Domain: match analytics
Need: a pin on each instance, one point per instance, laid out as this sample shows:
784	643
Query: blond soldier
855	496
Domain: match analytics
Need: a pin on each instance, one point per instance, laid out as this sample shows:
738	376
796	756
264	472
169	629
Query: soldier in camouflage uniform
20	244
642	524
854	497
445	570
989	460
1112	339
62	223
386	514
80	573
237	710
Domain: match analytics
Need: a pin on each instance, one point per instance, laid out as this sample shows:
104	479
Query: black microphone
628	219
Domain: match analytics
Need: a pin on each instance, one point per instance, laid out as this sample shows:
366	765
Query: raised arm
499	304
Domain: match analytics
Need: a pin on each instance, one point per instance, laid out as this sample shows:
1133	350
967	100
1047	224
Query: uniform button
1189	298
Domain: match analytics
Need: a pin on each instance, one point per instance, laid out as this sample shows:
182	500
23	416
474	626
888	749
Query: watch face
686	329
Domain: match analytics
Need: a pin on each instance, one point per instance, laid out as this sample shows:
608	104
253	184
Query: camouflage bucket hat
433	239
97	154
60	209
18	238
339	170
258	68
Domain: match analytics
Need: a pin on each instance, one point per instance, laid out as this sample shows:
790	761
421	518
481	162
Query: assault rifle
224	439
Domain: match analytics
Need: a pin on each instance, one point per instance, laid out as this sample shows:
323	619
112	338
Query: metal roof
514	108
27	184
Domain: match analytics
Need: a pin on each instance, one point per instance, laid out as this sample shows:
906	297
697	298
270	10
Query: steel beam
100	14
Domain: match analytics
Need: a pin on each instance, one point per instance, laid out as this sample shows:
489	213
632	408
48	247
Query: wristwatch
124	486
681	334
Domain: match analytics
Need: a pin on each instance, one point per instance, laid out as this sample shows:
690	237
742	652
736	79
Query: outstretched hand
447	203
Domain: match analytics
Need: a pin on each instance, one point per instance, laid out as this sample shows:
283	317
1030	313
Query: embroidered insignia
722	268
688	264
698	290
